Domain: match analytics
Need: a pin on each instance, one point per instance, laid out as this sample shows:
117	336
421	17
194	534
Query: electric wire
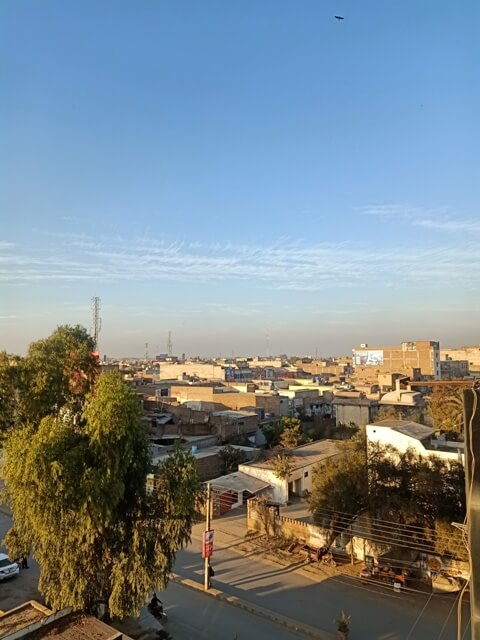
385	524
455	602
418	618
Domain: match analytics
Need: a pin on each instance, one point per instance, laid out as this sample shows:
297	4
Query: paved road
192	614
376	614
17	590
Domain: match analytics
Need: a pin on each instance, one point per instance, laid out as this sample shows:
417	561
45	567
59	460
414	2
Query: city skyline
236	171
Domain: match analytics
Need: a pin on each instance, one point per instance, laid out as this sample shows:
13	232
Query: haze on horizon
232	171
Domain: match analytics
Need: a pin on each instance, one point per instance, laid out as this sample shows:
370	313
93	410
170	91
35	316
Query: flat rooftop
407	427
239	482
230	413
23	616
303	456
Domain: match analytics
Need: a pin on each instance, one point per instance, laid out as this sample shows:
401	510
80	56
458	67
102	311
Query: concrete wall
172	371
402	442
298	482
191	422
471	354
406	358
234	400
279	486
359	414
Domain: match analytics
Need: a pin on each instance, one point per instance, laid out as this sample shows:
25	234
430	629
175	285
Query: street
376	614
192	614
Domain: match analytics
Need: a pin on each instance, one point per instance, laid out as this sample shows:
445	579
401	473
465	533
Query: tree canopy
79	501
286	433
389	485
231	457
341	485
60	370
57	372
445	407
10	385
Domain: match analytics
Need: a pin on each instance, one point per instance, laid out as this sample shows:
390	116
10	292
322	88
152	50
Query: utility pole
471	411
207	551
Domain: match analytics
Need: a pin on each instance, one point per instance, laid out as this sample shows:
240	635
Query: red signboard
207	546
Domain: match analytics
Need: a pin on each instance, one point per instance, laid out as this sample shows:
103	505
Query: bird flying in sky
339	17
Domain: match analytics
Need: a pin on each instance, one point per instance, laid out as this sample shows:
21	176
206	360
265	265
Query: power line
387	522
448	617
390	534
418	618
394	527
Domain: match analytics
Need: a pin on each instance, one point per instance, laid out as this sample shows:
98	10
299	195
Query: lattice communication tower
96	320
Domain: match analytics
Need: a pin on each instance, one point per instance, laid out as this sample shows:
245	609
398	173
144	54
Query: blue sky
236	170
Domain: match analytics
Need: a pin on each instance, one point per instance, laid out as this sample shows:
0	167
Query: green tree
397	487
445	407
278	433
282	466
292	437
79	501
11	369
59	371
273	434
290	423
341	486
231	457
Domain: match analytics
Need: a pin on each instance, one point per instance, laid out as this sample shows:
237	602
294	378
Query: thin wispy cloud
286	265
439	219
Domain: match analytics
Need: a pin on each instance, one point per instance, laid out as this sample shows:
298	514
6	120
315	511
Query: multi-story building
417	360
454	369
470	354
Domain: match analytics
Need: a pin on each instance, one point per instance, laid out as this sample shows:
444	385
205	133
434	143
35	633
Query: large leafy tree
57	372
340	486
397	487
445	407
11	369
60	371
79	501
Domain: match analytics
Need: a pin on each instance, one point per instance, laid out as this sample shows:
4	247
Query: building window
305	475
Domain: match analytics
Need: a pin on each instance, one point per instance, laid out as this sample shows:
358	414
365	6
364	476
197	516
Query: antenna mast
170	344
96	320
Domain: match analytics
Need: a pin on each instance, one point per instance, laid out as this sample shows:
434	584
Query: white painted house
303	460
404	434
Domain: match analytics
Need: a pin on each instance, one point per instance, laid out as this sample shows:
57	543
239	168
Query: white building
404	434
303	460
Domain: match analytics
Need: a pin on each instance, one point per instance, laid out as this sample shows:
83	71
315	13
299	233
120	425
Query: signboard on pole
207	544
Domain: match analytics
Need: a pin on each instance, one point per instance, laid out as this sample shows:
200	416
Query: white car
8	569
